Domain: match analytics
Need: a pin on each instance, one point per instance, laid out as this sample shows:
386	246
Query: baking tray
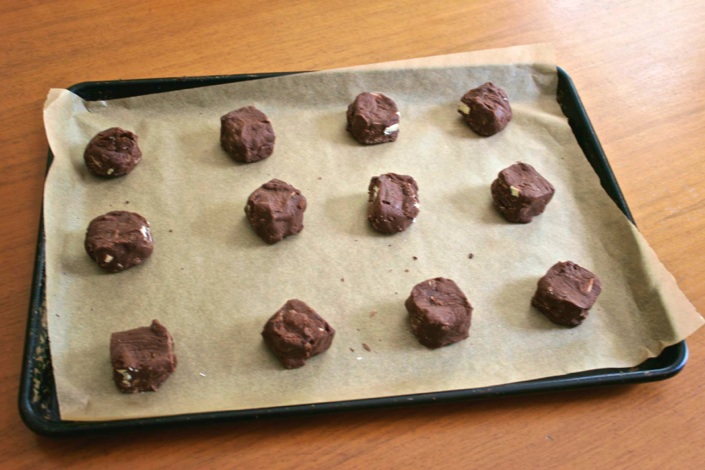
37	397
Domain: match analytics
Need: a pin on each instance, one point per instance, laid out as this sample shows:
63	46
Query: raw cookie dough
296	333
247	135
566	293
373	118
439	312
393	202
520	193
142	358
276	210
486	109
119	240
112	152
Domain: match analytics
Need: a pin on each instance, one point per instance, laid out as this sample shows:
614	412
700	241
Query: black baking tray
37	397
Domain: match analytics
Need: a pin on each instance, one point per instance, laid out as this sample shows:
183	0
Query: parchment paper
213	283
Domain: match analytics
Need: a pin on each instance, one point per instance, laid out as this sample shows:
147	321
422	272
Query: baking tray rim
669	363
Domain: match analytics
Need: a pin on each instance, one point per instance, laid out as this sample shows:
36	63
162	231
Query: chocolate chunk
142	358
119	240
566	293
373	118
486	109
393	202
276	210
111	153
520	193
247	135
295	333
439	312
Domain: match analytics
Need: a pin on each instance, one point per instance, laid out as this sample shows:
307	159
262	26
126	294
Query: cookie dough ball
439	312
566	293
119	240
296	333
373	118
142	358
520	193
486	109
393	203
111	153
276	210
247	135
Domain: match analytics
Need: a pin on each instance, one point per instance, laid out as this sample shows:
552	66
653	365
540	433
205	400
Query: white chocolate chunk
515	191
107	259
463	108
110	171
146	233
126	377
391	129
375	192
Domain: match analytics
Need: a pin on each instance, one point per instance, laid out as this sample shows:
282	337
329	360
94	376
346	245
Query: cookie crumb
373	313
414	258
367	348
471	256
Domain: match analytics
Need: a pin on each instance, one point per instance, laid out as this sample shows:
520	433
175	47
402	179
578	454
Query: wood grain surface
639	67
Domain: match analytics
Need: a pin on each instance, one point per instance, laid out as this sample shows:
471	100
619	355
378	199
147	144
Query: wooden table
639	67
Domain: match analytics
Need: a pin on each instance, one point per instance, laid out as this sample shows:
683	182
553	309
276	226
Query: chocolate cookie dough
393	202
142	358
113	152
295	333
486	109
119	240
247	135
520	193
276	210
373	118
439	312
566	293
